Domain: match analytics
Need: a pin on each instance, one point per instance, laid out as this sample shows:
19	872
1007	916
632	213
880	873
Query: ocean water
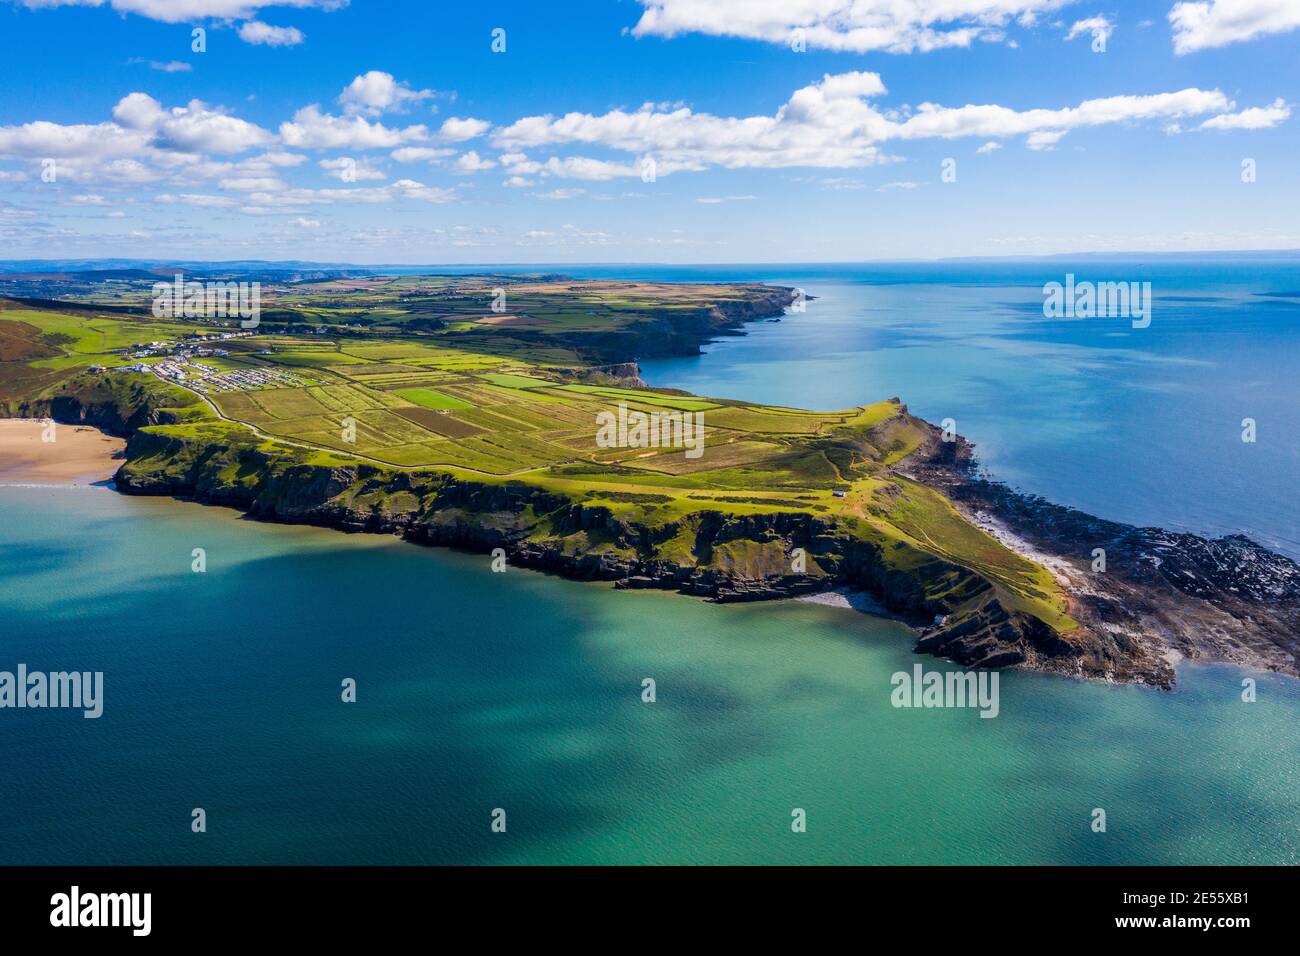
1137	425
519	691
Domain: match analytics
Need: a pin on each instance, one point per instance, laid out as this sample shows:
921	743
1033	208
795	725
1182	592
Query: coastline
78	455
983	613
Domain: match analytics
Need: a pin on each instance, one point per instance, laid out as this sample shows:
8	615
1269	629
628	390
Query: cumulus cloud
457	130
831	123
1213	23
140	127
262	34
378	92
195	127
471	162
855	26
312	129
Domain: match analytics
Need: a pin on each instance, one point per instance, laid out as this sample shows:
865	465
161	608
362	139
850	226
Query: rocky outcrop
1141	594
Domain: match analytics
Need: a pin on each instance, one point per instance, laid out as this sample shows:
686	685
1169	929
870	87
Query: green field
428	398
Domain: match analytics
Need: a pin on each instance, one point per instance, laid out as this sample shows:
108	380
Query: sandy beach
78	455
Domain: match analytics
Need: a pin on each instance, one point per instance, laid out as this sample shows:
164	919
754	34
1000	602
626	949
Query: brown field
442	424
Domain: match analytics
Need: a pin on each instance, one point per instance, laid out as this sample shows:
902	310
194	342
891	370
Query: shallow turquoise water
520	691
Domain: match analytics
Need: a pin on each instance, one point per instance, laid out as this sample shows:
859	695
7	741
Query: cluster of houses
204	378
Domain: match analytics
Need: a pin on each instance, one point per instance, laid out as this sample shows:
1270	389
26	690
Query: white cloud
1098	27
583	167
304	223
294	198
42	139
858	26
471	163
829	124
416	154
194	127
989	147
187	11
141	128
88	199
312	129
890	187
378	92
350	170
561	194
457	130
1044	139
932	120
1257	117
262	34
200	200
251	184
1212	23
715	200
171	66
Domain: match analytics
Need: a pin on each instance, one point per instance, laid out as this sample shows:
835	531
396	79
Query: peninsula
507	411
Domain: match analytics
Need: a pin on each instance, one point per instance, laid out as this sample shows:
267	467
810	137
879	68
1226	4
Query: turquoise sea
520	691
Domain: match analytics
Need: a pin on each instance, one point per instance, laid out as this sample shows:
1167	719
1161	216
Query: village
180	363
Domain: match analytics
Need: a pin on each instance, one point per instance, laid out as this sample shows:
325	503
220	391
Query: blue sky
392	132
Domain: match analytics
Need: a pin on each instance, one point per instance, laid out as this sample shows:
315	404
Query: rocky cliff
1153	594
709	554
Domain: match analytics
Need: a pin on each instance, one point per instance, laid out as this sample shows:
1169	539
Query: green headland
467	411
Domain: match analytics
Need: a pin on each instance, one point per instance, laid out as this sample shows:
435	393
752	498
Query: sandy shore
78	455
